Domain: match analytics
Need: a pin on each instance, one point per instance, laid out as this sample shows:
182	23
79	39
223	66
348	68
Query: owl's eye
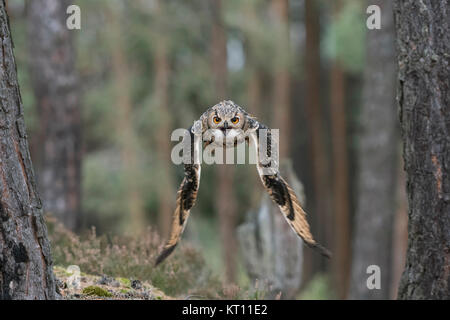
235	120
217	120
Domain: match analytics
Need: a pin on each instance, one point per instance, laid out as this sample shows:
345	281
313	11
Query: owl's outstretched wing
186	196
281	193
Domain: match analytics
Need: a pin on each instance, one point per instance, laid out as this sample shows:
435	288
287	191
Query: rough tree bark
226	203
377	162
25	258
55	84
423	46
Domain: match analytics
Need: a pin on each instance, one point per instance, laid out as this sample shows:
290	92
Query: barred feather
284	196
186	196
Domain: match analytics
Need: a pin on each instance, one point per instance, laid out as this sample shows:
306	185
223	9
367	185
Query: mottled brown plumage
230	122
186	196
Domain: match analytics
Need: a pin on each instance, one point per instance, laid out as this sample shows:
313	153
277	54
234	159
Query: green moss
124	291
61	270
96	291
126	282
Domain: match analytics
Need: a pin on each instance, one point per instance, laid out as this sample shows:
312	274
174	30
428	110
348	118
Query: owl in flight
229	125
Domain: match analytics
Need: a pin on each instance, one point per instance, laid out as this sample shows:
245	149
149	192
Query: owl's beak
224	128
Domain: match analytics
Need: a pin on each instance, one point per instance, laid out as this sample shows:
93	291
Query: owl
226	125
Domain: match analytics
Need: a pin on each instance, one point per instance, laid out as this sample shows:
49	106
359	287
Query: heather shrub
185	273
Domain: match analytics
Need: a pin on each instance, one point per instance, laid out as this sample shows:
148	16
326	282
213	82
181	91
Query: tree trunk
272	253
316	130
423	46
341	204
128	141
55	84
25	258
377	162
162	74
226	202
400	234
282	80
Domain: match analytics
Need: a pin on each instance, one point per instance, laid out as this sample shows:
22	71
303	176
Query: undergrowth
183	275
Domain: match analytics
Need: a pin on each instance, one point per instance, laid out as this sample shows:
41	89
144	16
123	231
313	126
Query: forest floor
90	287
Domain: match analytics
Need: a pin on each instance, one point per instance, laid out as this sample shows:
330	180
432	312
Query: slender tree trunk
282	81
162	74
316	130
125	129
377	162
254	87
55	84
226	202
341	206
400	235
423	46
25	258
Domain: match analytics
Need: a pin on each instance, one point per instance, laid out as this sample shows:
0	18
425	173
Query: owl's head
226	119
226	115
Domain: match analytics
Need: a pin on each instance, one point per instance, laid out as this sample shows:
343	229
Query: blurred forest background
101	103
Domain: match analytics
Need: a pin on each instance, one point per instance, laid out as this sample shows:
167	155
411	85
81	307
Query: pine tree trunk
423	46
226	202
128	141
25	258
162	74
377	162
282	79
55	84
316	129
341	204
400	234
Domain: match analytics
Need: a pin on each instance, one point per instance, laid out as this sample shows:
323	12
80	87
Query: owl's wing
281	193
186	196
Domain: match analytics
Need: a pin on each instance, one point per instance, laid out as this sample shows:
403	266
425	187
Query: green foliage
319	288
19	37
96	291
103	190
344	38
126	282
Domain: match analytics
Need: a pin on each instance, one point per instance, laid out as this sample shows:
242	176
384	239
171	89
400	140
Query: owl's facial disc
226	121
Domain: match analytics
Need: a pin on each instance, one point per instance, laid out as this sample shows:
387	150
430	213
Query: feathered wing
282	194
186	196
